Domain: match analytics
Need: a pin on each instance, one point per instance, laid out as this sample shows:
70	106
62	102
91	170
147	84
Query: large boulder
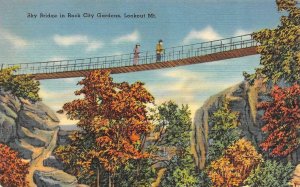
52	161
55	178
37	115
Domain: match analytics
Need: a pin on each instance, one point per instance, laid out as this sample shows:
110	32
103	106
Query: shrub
12	169
271	174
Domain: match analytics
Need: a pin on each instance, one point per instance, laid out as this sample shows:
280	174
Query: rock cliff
243	99
32	130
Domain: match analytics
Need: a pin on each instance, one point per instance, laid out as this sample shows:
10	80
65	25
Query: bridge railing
148	57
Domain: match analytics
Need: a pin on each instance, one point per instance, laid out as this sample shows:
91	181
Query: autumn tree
280	47
282	121
113	124
19	85
224	131
235	165
13	170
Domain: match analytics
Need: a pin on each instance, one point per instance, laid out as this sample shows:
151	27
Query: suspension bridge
233	47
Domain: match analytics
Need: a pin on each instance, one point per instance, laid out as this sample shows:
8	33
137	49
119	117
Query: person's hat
160	40
138	44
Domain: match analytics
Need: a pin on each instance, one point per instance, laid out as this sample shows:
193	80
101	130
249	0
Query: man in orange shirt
159	50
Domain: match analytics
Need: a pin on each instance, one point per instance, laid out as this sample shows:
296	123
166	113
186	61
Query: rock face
32	129
243	99
56	178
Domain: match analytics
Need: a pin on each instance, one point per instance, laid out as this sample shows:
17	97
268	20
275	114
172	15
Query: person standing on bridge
136	54
159	50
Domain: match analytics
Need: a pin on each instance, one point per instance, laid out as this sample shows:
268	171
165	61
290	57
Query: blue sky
177	22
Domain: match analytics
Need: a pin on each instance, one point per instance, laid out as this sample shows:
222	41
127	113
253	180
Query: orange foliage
235	165
282	117
114	115
12	169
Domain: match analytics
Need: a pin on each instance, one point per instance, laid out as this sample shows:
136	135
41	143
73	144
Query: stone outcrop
56	178
242	99
51	161
32	130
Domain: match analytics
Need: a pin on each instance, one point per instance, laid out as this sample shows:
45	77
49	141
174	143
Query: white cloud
71	40
185	87
206	34
117	53
240	32
93	46
56	58
15	40
183	83
132	37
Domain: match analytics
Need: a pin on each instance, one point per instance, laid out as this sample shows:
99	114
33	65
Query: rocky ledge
32	130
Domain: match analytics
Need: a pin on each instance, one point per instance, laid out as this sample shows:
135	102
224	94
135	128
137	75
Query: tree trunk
138	170
98	177
110	180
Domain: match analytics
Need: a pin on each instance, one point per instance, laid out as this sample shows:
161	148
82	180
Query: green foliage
203	179
271	174
183	178
180	172
173	128
224	131
21	86
138	173
172	131
174	125
279	48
